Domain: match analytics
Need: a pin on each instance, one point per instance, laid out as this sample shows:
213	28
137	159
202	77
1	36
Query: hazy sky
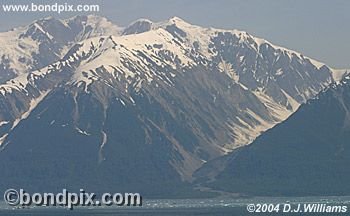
317	28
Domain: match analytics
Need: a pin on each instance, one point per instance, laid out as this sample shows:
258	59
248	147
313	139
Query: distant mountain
143	107
308	154
45	41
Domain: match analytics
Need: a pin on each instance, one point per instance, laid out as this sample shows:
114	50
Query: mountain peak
175	18
138	26
178	21
142	20
97	19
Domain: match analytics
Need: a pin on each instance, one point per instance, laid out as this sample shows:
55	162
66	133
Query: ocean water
181	207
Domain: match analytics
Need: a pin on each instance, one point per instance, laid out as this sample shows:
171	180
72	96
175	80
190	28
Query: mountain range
147	107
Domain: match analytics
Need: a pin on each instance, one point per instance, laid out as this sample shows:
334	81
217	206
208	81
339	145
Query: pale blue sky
317	28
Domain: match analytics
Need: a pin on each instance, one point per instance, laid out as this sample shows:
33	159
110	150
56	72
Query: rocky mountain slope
308	154
146	105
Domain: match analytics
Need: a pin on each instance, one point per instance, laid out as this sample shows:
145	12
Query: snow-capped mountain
45	41
160	99
308	154
281	78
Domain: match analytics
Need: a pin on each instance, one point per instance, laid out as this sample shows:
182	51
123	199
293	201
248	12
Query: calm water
184	207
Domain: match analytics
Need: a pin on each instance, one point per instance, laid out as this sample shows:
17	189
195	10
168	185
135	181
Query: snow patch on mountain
277	110
21	82
104	141
2	140
118	54
17	52
82	132
339	74
3	123
244	133
228	69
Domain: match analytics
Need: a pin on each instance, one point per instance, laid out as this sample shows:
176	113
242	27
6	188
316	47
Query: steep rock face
256	63
147	108
164	110
281	78
84	145
308	154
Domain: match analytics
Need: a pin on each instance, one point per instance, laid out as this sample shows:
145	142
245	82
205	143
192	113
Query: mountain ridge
163	28
172	95
309	147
